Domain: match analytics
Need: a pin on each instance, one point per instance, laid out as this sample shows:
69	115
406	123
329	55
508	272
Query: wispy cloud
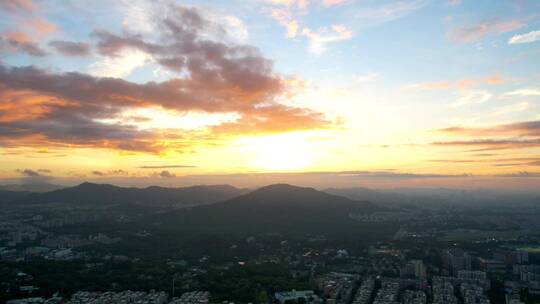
497	162
475	32
167	166
289	13
398	175
525	38
521	174
460	84
512	108
454	2
285	18
518	129
520	135
389	11
320	38
471	97
369	77
299	4
328	3
492	144
524	92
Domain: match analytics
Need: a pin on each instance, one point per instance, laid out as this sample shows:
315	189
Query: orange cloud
39	26
20	42
19	37
492	144
27	105
462	84
527	128
274	119
473	33
284	18
17	5
518	135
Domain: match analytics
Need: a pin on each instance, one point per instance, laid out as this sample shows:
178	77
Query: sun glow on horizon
284	152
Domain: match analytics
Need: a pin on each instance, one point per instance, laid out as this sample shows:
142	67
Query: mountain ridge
92	193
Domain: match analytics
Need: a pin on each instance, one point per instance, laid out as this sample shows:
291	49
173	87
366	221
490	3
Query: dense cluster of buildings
139	297
337	287
443	291
414	297
15	234
388	293
306	296
365	291
192	297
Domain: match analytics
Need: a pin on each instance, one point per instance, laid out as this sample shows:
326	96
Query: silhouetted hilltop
275	208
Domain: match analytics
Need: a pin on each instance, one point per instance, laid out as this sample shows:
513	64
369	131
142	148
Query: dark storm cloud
70	48
17	42
118	172
166	174
28	172
33	176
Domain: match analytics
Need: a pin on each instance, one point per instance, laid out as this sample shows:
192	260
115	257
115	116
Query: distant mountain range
220	209
31	187
98	194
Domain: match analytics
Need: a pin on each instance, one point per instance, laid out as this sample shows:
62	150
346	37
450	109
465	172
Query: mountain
292	199
95	194
279	208
31	187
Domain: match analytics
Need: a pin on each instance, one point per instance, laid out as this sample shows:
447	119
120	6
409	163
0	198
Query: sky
339	92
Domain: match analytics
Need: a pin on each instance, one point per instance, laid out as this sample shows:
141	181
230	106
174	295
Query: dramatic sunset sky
416	92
